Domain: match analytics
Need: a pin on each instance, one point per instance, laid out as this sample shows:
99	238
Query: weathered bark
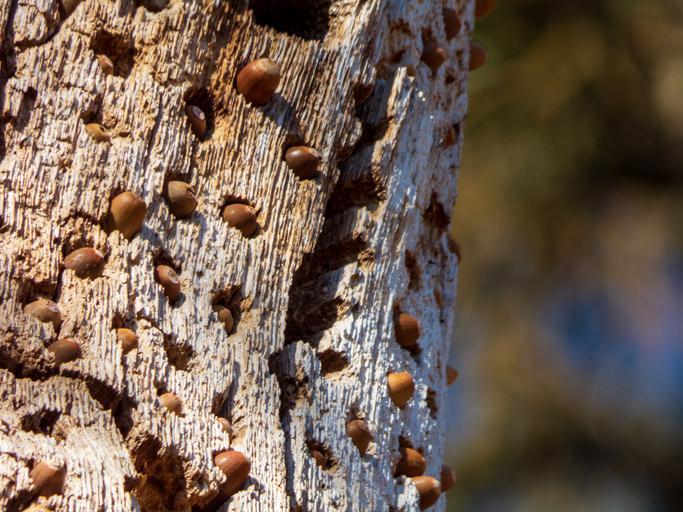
314	291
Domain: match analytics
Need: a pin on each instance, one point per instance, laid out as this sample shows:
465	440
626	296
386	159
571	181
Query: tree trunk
314	292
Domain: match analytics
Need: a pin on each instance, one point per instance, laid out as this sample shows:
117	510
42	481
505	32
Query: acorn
401	387
451	22
447	478
235	466
45	311
106	65
127	213
168	279
65	350
360	434
47	479
225	316
483	8
411	463
242	217
84	260
433	55
172	402
407	330
181	199
319	458
478	55
258	80
97	132
429	490
303	160
197	120
225	426
127	338
451	375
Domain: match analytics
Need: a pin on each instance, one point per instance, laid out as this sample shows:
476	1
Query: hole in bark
123	417
203	99
307	19
432	403
117	48
413	271
232	299
40	422
152	5
322	455
332	361
23	116
179	354
435	214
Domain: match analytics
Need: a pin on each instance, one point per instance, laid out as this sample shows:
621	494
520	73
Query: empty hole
40	422
119	49
413	271
179	354
152	5
308	19
432	403
332	361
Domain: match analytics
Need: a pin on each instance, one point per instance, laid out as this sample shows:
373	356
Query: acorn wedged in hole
411	463
407	330
106	65
84	260
483	8
242	217
433	55
235	466
172	402
47	479
429	490
303	161
197	119
318	457
478	55
360	434
45	311
181	199
225	316
127	214
401	387
447	478
451	22
451	375
97	132
168	279
65	350
127	338
258	80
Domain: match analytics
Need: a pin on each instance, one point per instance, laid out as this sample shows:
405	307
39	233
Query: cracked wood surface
314	292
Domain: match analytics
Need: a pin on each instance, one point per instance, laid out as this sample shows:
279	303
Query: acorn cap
197	119
235	466
97	132
45	311
106	65
127	213
84	260
168	279
242	217
303	160
433	55
429	490
407	330
127	338
478	55
181	199
65	350
451	22
258	80
47	479
225	316
451	375
401	388
447	478
359	433
483	8
172	402
411	463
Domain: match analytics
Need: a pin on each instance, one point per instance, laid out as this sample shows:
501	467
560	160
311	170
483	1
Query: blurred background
570	299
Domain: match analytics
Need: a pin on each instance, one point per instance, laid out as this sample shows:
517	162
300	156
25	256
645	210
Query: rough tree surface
315	290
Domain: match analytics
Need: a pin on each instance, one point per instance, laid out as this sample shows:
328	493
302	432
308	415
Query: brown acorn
84	260
360	434
127	338
411	463
181	199
106	65
433	55
242	217
197	120
401	387
45	311
451	22
483	8
258	80
447	478
303	160
478	55
451	375
127	214
97	132
235	466
319	458
225	316
407	330
429	490
168	279
172	402
65	350
47	479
